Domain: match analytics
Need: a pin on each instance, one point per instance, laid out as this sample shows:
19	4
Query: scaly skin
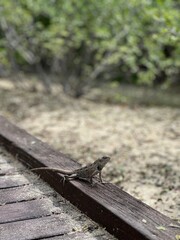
86	173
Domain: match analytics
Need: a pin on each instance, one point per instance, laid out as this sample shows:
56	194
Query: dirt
143	142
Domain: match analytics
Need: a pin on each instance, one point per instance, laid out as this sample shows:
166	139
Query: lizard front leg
100	177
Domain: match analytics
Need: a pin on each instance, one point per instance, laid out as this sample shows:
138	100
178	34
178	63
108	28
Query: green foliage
133	41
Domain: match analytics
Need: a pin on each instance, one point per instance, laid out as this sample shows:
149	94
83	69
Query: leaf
161	228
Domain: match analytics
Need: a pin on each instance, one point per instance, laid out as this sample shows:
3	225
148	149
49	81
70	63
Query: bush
84	42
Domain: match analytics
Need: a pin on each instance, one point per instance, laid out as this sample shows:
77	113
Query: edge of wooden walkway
121	214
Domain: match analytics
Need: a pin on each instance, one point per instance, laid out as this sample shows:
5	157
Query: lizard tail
53	169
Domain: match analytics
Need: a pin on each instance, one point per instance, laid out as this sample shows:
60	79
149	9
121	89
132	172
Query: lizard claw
64	179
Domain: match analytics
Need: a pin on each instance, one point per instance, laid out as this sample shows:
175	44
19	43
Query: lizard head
102	162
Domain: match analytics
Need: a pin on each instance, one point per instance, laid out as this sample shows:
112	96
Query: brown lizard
85	173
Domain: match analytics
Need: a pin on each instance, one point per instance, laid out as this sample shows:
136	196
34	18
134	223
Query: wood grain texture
24	210
12	181
120	213
37	200
5	169
77	236
34	228
18	194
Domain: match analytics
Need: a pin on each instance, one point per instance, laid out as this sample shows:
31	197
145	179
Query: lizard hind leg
64	179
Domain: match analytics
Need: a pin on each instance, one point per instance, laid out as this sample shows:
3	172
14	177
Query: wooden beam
121	214
36	228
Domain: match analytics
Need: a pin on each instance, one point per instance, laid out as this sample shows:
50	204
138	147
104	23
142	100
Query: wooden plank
12	181
78	236
24	210
121	214
6	168
12	212
2	159
18	194
35	228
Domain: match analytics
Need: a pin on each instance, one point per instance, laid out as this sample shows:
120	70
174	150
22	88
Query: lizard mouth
106	158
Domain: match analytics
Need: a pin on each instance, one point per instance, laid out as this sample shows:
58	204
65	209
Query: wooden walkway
122	215
29	209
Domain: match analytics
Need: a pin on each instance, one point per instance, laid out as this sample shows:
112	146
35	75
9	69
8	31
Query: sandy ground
143	142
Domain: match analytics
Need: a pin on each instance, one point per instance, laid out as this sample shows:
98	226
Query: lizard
85	173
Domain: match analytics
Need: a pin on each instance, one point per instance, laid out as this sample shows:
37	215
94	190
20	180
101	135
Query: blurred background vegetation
84	44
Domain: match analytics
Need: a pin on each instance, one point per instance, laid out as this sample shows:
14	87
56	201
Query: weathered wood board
18	194
121	214
13	181
35	211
